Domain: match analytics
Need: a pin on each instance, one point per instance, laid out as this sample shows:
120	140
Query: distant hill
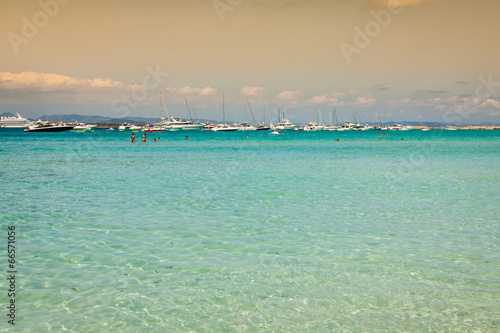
7	114
102	120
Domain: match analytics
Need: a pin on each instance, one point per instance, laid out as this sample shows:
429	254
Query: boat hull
50	129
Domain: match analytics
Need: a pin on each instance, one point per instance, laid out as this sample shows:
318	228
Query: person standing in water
132	138
144	137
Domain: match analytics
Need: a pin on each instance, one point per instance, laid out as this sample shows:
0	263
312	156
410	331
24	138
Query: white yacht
124	126
312	126
245	127
183	124
399	127
127	126
14	122
285	124
224	127
83	127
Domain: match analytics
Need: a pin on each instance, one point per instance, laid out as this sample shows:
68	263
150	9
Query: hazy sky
419	60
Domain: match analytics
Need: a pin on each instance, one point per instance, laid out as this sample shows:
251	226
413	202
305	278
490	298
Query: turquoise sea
296	232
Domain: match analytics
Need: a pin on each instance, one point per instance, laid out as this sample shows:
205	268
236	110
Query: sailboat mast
246	118
161	112
166	111
265	113
223	110
251	112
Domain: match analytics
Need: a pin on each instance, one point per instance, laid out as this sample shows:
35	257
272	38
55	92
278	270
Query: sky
406	60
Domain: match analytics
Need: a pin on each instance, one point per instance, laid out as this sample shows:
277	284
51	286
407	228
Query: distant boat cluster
42	126
183	124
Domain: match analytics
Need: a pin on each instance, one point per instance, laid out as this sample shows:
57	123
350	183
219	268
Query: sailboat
159	127
263	126
244	126
224	127
331	127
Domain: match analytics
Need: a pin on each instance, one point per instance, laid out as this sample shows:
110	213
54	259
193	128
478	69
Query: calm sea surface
223	233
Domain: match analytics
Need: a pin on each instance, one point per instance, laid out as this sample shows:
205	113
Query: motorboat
285	124
154	128
209	126
83	127
183	124
124	126
399	127
245	127
312	126
224	127
47	126
262	127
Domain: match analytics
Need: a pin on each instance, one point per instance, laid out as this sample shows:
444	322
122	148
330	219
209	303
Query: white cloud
187	90
289	95
452	105
47	82
364	101
208	91
329	99
254	91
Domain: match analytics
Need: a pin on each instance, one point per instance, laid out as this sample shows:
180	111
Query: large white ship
14	122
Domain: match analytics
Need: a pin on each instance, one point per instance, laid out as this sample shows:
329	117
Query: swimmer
132	138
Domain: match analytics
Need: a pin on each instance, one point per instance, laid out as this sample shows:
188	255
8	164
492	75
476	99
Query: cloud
452	105
190	91
331	99
289	95
48	82
364	101
326	99
208	91
55	88
33	88
254	91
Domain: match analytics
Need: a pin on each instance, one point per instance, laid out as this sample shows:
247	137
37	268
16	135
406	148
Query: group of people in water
143	138
132	138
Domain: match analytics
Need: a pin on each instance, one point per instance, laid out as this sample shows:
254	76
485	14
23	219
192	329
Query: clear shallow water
297	232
